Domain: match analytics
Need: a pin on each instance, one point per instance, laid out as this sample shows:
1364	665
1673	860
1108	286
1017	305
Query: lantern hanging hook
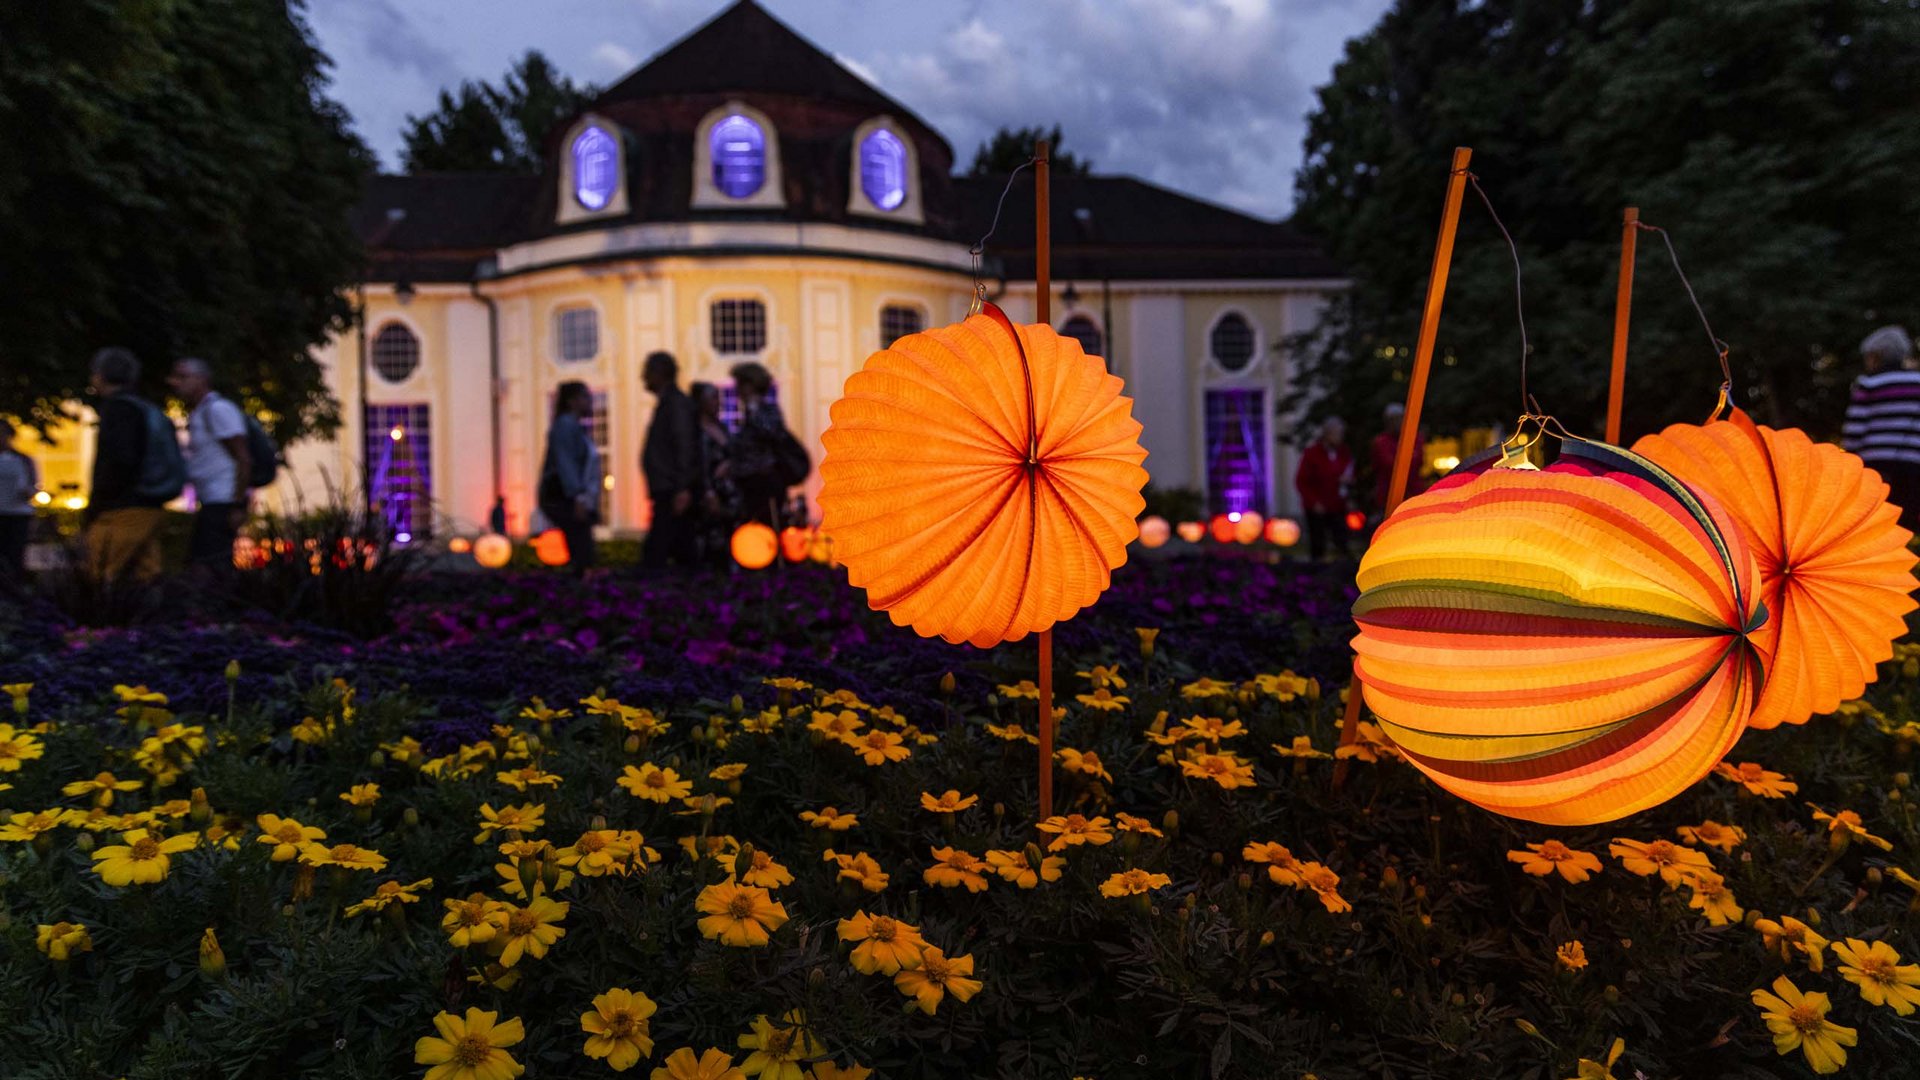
1527	402
979	248
1720	348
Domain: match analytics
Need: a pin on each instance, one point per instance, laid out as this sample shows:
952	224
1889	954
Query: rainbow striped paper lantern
1566	645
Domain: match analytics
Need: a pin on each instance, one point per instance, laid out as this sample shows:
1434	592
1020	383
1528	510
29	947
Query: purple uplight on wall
594	168
1237	453
739	151
883	169
399	447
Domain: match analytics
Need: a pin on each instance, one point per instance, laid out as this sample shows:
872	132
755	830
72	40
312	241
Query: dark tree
1776	140
177	182
483	128
1011	148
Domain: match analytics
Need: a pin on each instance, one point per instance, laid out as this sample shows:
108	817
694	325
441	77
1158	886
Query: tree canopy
1775	140
484	128
1011	148
177	182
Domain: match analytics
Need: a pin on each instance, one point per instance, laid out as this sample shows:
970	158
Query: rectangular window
1238	457
730	404
576	334
898	321
400	469
739	327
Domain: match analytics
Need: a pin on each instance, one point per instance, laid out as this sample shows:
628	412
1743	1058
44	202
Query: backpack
263	458
163	469
791	463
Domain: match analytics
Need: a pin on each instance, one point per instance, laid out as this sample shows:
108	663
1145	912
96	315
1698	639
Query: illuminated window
739	327
1232	342
1237	458
899	320
739	152
395	352
595	168
576	334
883	169
399	447
1081	329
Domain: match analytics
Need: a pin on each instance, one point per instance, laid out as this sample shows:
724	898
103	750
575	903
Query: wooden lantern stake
1042	313
1416	397
1622	306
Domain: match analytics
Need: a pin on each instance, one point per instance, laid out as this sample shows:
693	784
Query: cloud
612	58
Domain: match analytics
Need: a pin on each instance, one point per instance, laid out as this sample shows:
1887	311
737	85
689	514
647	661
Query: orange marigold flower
1671	861
953	867
1757	780
1133	882
1571	956
1552	856
1790	935
1712	834
1072	830
950	802
1224	769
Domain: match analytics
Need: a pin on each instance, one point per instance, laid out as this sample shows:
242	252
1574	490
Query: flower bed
681	826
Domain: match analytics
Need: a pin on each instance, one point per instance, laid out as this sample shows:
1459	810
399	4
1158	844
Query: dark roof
1123	228
438	226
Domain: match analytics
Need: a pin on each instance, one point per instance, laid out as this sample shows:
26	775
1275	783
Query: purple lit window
883	169
739	151
400	469
595	169
1236	451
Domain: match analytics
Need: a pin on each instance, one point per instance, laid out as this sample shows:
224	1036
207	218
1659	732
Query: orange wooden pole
1416	396
1622	308
1043	313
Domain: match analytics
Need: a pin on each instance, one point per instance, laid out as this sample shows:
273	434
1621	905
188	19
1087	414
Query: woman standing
767	459
570	475
1325	470
718	497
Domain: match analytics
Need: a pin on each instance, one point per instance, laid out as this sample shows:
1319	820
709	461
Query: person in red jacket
1325	470
1385	447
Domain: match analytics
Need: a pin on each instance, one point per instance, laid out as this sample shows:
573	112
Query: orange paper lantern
1356	521
459	545
981	481
1249	527
1223	528
493	551
794	543
1192	531
820	548
550	548
1154	531
1835	570
1568	645
755	546
1284	532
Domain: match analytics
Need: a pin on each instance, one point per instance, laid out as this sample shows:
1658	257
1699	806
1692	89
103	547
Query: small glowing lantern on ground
551	548
820	548
794	543
1356	521
755	546
246	553
1154	531
1224	527
1284	532
1192	531
1249	527
493	551
459	545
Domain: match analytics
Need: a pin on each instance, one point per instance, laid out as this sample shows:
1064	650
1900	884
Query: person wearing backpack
767	459
219	458
137	470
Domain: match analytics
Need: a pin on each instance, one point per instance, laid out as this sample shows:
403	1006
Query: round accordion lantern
1566	645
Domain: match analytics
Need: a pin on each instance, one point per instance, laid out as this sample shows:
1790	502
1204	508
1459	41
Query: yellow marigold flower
1104	677
683	1064
1302	749
1015	866
600	852
1285	686
1147	635
1022	690
519	869
1084	762
101	787
654	784
1325	885
62	939
1370	744
312	731
618	1029
1013	733
1671	861
25	827
528	776
1282	867
16	747
953	867
389	893
1224	769
1133	882
830	819
840	699
1571	956
527	930
138	695
172	808
1104	700
362	795
1597	1070
515	821
763	871
1790	935
885	944
836	725
470	1049
1848	823
950	802
142	860
1757	780
779	1049
790	685
1206	688
936	977
878	747
18	691
708	847
827	1070
730	771
702	805
859	868
345	856
1712	898
1175	736
1072	830
1552	856
1126	822
739	915
539	712
94	819
473	921
1876	969
1712	834
764	722
1799	1021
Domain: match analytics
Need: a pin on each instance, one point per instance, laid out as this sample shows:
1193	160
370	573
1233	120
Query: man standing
1321	480
218	464
136	471
1385	449
1883	418
670	460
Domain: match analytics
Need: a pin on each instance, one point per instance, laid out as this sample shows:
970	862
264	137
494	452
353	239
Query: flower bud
1245	881
598	823
1813	917
377	759
1033	854
737	705
817	977
946	684
1527	1027
410	817
1390	878
529	874
82	842
233	671
632	745
743	861
1901	779
1217	859
1612	994
1266	938
213	962
1170	821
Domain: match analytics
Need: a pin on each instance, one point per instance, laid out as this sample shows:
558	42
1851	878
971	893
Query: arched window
899	320
739	152
883	169
576	334
1232	342
595	168
739	327
395	352
1082	329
